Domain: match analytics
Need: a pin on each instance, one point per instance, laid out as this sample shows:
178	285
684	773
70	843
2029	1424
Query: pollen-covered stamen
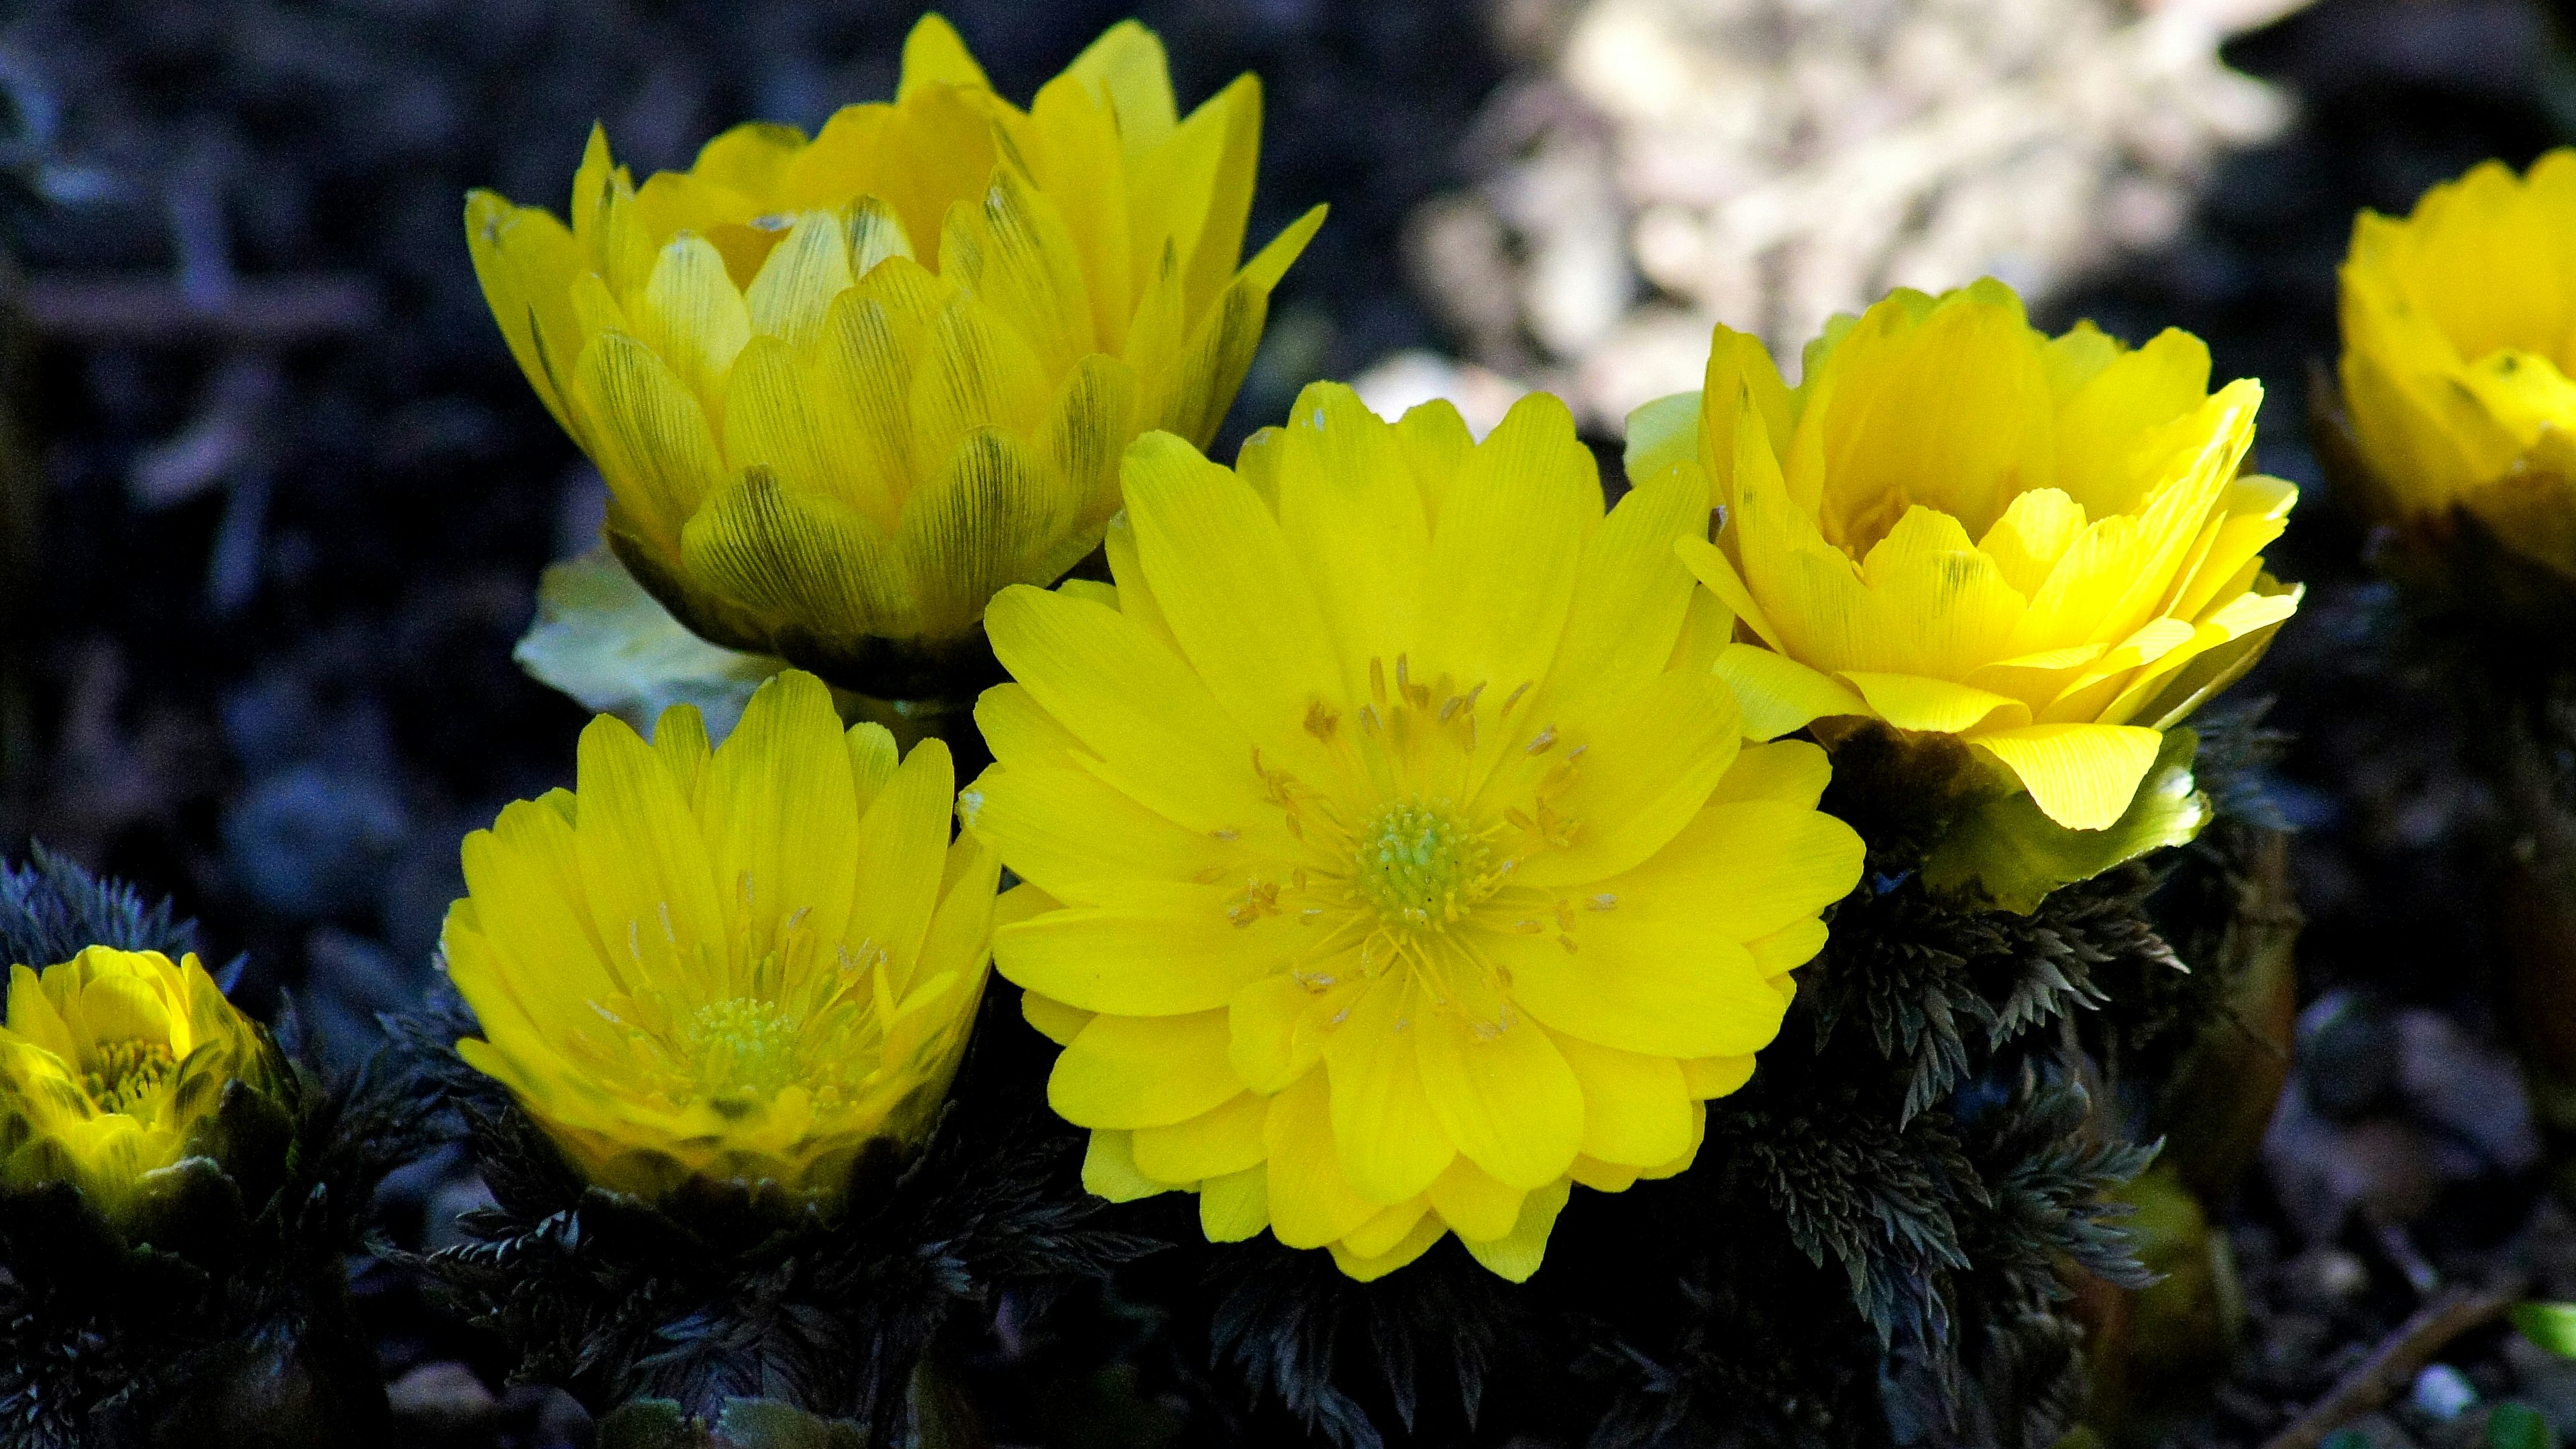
1422	865
742	1048
127	1074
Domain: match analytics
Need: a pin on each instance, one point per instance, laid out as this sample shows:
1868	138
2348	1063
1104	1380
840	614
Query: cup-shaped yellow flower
1958	525
741	965
843	389
2459	332
1393	861
112	1067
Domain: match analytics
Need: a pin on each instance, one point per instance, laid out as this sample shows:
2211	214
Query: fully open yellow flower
1958	525
742	965
844	389
112	1064
2459	332
1401	859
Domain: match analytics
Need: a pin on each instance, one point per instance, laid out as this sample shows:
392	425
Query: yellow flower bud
1958	525
742	964
845	389
111	1067
2459	328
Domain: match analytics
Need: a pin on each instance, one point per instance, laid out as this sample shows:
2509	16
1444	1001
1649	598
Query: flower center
1421	865
743	1048
128	1074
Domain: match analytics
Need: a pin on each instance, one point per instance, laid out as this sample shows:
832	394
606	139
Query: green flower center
1421	865
128	1074
744	1048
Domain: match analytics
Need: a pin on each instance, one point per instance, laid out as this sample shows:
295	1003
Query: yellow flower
1958	525
742	965
2459	329
111	1067
844	389
1402	860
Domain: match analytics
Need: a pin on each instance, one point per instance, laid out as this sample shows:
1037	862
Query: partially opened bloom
1958	525
741	965
112	1066
843	389
1394	859
2459	332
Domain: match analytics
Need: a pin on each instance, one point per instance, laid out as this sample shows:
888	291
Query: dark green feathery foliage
50	909
1302	1333
729	1293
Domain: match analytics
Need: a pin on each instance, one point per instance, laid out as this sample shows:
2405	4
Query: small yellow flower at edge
1394	859
742	964
844	389
2459	332
112	1063
1958	525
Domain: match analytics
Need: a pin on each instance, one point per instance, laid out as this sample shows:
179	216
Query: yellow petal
644	866
1354	525
1632	591
648	434
1310	1202
1474	1203
1391	1142
1778	694
780	814
1707	1077
1508	549
1082	839
1913	702
1126	1071
1233	594
2082	775
1649	761
1635	1108
1053	1019
1424	1231
797	283
1516	1255
1150	720
1126	69
1236	1206
1109	1171
1507	1100
903	841
933	54
1145	960
692	315
975	374
1788	770
802	556
974	528
1693	994
1220	1142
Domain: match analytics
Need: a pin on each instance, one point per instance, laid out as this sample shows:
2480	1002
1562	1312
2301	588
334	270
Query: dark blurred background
276	498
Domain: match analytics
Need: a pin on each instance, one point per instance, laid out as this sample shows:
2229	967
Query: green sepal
2550	1325
769	1424
2516	1425
2003	851
602	639
740	1424
650	1424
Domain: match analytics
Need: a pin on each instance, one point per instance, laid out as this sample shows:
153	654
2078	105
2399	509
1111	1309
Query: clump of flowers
2457	328
742	964
844	388
1395	862
113	1066
2046	548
